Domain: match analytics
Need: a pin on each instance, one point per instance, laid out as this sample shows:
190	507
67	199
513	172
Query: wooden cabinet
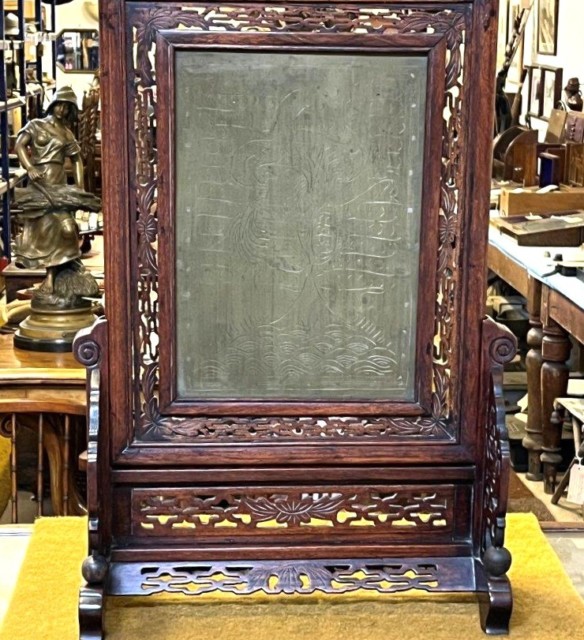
295	387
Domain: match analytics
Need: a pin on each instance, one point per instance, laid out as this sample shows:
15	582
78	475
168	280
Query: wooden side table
575	407
556	313
515	274
561	317
44	392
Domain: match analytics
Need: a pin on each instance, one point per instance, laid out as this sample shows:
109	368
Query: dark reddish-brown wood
296	496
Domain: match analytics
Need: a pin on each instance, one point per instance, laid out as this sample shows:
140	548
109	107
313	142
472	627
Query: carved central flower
284	509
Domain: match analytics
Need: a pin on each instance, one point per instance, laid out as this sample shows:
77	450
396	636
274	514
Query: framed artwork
545	90
547	27
534	103
502	32
516	68
551	89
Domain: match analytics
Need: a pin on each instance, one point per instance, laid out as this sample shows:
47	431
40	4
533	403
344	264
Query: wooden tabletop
36	368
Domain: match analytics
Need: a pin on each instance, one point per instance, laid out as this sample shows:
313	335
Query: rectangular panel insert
298	211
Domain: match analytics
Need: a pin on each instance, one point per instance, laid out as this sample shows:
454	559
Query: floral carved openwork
497	456
146	20
215	511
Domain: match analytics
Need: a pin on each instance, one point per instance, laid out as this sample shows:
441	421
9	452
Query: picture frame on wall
551	90
547	27
544	90
516	67
502	32
534	104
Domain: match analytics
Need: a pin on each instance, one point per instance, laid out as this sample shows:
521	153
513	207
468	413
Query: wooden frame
551	90
514	7
545	90
167	45
534	99
159	468
547	27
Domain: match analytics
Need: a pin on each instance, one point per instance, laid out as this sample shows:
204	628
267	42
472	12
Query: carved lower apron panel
212	513
300	576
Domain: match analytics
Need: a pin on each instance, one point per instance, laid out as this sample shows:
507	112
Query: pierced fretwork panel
298	206
291	577
204	512
145	20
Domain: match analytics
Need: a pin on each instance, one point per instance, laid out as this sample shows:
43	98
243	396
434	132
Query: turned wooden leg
554	383
53	448
533	439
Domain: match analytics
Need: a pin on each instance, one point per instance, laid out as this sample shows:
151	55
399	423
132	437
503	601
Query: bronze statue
50	237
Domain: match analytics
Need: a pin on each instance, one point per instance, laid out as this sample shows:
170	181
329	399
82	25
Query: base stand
52	330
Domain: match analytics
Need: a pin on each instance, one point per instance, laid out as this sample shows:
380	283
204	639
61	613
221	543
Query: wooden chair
52	421
295	388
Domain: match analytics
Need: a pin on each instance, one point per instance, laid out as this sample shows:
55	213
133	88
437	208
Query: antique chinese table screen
298	200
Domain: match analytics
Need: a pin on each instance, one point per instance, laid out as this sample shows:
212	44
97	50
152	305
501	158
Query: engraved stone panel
298	209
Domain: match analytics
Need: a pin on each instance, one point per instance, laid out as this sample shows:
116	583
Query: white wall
570	50
570	54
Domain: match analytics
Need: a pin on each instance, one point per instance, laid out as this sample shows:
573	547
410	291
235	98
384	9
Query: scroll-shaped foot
496	605
91	613
495	597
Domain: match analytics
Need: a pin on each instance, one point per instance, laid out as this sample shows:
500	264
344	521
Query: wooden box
546	230
515	202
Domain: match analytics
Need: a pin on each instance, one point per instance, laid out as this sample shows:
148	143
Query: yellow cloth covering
44	604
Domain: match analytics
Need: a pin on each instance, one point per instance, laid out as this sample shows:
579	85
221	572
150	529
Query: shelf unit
21	53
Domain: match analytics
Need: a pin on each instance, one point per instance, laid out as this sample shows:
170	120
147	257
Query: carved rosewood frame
297	503
438	418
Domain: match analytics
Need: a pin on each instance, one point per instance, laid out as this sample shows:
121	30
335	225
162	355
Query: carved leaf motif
288	578
158	19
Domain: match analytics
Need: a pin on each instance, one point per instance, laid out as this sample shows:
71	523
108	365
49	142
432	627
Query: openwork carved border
146	20
213	511
501	347
494	507
292	577
501	351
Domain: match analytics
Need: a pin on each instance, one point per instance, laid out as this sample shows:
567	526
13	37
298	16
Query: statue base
52	330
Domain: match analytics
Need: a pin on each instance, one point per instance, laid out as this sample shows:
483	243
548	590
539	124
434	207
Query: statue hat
572	85
64	94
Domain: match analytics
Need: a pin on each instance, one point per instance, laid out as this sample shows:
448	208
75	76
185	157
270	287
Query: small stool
575	407
56	445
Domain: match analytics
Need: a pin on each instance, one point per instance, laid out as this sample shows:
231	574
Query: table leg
13	477
52	446
554	384
65	497
533	439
